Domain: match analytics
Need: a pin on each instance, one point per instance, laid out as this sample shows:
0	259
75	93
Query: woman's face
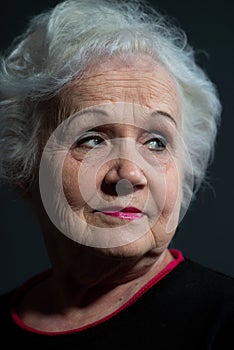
118	166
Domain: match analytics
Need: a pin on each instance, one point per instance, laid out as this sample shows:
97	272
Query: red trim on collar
178	258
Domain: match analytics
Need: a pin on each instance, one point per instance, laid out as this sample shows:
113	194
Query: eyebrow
88	111
101	111
165	114
84	112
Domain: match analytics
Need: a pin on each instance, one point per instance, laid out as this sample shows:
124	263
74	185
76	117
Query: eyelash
161	141
81	141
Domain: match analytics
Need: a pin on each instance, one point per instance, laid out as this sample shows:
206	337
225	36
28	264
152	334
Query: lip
128	213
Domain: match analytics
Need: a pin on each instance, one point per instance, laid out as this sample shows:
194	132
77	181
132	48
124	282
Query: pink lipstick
128	213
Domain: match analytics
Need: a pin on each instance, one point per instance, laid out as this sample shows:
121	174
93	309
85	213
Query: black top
191	308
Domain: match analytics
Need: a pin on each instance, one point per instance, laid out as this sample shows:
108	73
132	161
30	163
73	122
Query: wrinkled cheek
71	187
173	195
167	194
172	207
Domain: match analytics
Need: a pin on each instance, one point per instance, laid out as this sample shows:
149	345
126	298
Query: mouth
128	213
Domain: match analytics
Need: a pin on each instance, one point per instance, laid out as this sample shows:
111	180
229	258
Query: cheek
70	184
164	228
165	187
173	190
173	194
81	181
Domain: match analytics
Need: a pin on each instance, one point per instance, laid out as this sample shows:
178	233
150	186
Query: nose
125	175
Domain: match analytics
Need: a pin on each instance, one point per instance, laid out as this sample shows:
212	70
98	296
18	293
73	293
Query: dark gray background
206	234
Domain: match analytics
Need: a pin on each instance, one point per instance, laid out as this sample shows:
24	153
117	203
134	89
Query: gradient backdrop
206	233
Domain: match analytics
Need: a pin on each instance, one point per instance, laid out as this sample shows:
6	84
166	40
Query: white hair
57	47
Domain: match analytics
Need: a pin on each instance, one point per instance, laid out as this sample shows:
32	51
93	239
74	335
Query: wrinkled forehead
124	113
143	82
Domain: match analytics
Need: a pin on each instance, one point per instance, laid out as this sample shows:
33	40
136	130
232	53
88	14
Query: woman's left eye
90	141
156	144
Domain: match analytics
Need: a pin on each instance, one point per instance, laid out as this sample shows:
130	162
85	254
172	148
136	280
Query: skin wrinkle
143	97
109	76
106	277
96	88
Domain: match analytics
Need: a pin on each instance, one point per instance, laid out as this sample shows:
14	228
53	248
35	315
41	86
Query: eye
90	141
156	144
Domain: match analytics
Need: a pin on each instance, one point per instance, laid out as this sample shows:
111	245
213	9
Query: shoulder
200	302
192	288
201	284
201	275
207	290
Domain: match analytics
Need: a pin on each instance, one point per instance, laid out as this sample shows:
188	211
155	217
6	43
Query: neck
66	306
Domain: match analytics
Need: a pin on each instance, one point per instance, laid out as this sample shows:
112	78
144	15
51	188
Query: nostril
124	187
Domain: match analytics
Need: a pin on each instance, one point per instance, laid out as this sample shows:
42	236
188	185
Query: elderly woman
107	129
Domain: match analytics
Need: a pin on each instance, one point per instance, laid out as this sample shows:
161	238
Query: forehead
139	80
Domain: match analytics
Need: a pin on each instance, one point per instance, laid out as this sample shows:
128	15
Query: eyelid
157	135
149	135
89	134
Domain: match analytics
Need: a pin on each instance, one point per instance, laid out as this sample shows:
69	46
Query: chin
133	250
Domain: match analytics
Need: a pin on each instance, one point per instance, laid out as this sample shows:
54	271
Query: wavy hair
60	43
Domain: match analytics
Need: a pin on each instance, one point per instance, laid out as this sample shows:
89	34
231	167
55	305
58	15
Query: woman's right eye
90	141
